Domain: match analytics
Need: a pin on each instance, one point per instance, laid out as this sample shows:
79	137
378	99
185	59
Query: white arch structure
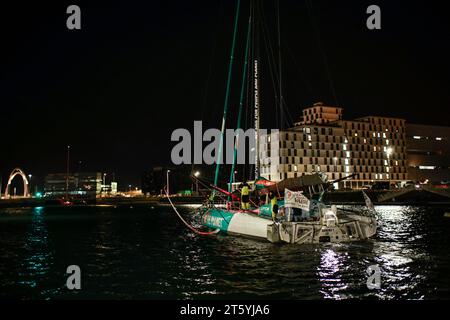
13	174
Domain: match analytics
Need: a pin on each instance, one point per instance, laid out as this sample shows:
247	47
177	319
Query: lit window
356	134
374	149
344	147
387	169
385	162
295	168
427	167
347	154
373	134
309	137
347	169
438	138
365	140
346	140
396	163
308	130
378	134
346	161
417	137
384	135
387	176
268	139
387	142
376	175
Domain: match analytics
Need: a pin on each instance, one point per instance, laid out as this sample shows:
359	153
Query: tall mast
241	103
227	95
256	109
256	92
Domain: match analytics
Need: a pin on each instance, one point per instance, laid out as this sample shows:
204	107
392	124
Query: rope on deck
185	222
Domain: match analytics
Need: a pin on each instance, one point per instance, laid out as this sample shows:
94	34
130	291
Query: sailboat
302	218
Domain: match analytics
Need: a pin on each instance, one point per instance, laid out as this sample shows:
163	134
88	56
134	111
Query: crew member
273	205
245	196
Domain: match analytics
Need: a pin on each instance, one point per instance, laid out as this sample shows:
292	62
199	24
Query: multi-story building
428	153
372	147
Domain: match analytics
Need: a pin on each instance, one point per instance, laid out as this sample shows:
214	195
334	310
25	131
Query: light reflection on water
146	253
36	263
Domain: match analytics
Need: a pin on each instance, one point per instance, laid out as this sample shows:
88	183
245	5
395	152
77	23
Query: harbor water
147	253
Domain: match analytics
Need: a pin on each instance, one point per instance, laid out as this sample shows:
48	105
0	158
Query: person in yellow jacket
273	205
245	196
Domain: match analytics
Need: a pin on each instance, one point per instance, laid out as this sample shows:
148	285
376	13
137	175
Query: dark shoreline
412	197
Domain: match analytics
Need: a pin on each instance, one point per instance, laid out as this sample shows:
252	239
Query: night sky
137	70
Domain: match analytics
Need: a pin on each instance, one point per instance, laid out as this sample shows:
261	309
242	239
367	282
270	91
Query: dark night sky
137	70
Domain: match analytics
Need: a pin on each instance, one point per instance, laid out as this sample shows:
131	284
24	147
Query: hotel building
374	148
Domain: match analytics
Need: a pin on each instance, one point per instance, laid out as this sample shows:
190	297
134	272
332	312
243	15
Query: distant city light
427	167
438	138
417	137
197	173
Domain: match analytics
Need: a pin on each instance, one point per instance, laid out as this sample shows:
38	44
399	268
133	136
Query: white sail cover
296	199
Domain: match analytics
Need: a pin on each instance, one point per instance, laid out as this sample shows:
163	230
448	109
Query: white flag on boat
369	203
295	199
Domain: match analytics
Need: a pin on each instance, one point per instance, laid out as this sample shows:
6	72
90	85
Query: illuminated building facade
428	149
372	147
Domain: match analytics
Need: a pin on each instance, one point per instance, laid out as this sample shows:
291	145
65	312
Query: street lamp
29	183
196	174
167	183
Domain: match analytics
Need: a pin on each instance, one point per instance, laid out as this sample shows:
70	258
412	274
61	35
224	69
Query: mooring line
185	222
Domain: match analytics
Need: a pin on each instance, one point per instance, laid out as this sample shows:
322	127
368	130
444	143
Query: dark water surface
147	253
